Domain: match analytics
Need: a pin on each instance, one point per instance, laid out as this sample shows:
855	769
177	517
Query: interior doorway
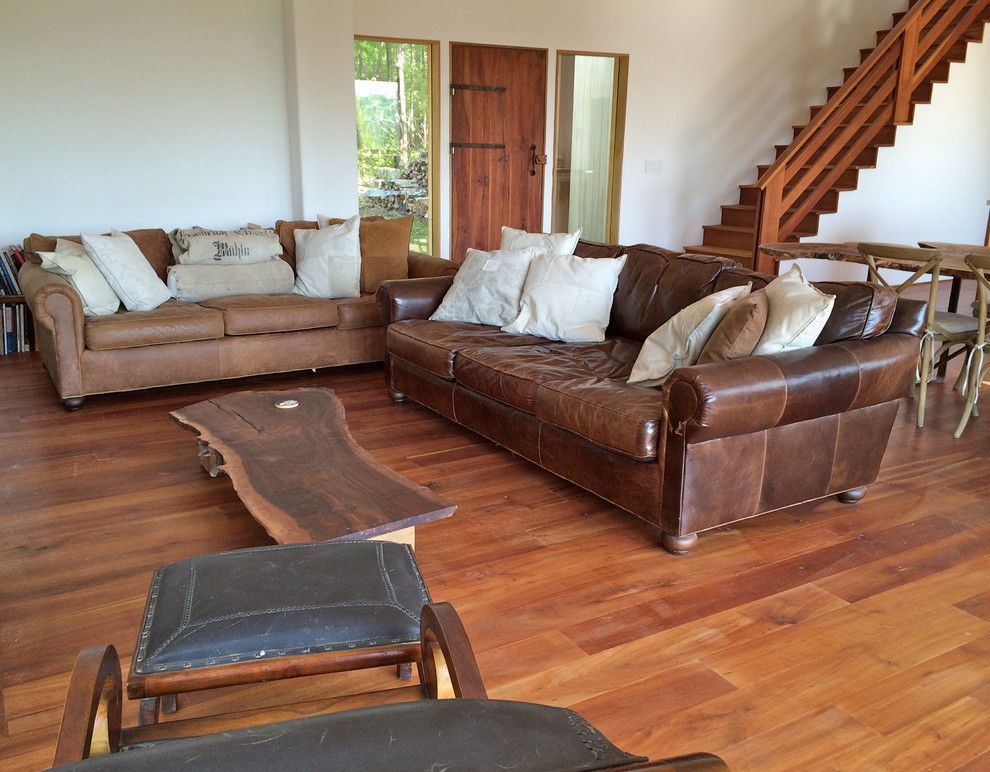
588	137
497	131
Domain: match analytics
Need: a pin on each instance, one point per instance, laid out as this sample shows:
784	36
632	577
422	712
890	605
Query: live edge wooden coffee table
299	472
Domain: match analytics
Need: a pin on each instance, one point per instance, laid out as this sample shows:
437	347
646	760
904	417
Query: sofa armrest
421	266
411	298
748	395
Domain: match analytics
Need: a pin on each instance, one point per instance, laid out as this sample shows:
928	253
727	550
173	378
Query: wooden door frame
620	84
433	124
450	168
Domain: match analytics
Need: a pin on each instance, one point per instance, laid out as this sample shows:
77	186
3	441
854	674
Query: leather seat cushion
172	322
512	376
356	313
282	312
279	601
429	734
622	417
433	345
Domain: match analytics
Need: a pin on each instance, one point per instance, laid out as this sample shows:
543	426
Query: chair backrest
979	263
929	262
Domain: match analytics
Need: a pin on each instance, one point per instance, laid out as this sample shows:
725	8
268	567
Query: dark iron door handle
534	159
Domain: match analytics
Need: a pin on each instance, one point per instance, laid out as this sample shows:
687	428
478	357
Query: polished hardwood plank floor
823	636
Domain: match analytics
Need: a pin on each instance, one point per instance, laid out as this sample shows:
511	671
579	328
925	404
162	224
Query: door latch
535	159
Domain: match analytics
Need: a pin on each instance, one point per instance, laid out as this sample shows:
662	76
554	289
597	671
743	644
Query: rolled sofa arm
58	314
411	298
748	395
421	266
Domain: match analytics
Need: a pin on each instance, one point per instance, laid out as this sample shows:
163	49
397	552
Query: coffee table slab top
298	470
953	255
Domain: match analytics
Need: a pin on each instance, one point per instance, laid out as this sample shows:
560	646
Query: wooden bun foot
395	395
73	403
852	496
678	545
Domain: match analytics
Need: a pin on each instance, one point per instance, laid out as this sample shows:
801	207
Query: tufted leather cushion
433	346
608	411
861	310
654	286
279	601
284	312
597	249
430	734
172	322
512	375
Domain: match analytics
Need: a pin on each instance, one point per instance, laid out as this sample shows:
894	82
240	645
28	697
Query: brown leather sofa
179	342
719	443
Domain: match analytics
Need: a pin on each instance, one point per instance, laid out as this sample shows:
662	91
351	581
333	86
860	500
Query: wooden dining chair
943	329
975	370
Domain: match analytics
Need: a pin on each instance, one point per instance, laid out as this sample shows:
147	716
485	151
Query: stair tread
706	249
751	208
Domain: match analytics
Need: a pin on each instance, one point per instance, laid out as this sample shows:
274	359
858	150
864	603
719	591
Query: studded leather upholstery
279	601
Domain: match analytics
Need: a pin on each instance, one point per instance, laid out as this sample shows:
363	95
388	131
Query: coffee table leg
401	536
211	460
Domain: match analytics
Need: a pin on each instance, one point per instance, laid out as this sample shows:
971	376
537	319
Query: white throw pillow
568	298
127	270
230	249
487	287
678	341
194	283
180	236
328	260
548	243
797	313
71	261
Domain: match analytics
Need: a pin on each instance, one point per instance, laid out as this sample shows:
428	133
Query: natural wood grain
299	471
819	636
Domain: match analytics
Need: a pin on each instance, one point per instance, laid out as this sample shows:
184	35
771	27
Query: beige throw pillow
568	298
548	243
797	313
126	270
230	249
328	261
487	288
678	341
194	283
71	261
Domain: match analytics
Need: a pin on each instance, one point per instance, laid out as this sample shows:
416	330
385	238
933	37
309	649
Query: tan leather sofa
719	443
179	342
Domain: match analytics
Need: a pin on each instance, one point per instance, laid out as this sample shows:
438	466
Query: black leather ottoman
275	612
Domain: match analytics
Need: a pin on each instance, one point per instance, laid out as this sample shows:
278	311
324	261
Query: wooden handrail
878	94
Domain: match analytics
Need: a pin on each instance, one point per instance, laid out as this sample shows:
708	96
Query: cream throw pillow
194	283
487	287
568	298
230	249
678	342
71	261
328	261
548	243
127	271
797	315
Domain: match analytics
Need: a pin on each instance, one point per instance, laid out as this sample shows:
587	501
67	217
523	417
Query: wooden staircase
843	135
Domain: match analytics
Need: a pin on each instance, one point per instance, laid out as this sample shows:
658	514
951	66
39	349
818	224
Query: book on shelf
11	260
15	329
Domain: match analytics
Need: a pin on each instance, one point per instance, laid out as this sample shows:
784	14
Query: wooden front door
497	129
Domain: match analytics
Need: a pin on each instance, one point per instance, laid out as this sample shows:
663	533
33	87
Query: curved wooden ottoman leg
852	496
678	545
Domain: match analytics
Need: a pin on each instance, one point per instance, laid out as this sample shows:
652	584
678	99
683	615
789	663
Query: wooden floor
819	637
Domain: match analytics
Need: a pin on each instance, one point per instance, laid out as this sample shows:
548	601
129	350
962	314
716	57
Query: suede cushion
739	332
384	251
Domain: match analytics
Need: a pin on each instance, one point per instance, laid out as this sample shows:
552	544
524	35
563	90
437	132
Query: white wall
141	113
713	84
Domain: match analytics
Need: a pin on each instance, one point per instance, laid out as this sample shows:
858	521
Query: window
590	121
395	87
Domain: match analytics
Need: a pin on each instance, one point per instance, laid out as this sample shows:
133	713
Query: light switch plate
653	166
